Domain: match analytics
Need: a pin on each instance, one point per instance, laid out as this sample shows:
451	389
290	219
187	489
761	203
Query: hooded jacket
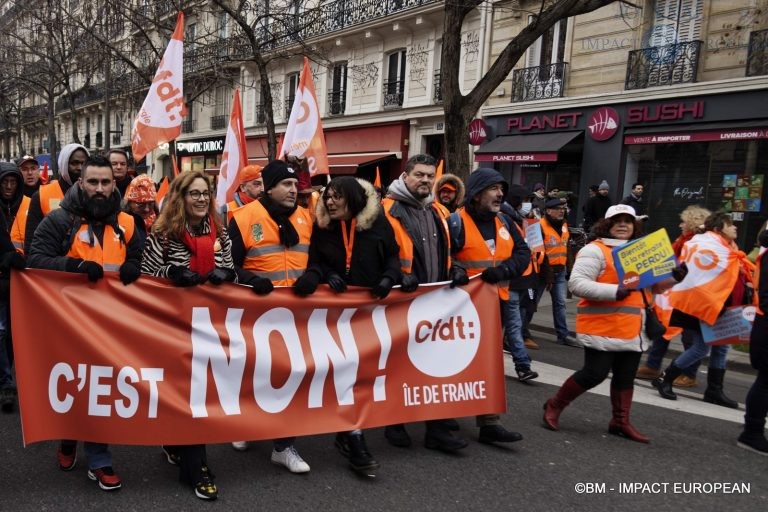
375	253
35	215
456	182
54	235
11	207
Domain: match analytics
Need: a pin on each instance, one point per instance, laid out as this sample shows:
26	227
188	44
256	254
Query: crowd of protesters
97	217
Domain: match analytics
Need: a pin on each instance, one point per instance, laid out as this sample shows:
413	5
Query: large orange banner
153	364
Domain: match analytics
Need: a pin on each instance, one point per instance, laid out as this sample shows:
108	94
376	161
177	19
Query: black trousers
597	364
757	404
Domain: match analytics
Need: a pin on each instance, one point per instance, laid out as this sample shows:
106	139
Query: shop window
678	175
394	84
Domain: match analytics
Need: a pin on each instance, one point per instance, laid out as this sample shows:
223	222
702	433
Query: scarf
149	220
280	214
244	199
201	248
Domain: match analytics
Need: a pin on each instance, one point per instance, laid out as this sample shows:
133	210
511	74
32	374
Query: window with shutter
676	21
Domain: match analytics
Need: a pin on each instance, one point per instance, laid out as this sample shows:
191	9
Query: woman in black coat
753	437
352	244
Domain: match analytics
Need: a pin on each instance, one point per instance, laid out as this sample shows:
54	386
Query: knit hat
275	172
250	173
603	186
141	189
538	186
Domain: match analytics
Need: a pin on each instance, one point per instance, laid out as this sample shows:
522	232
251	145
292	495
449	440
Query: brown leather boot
621	400
555	405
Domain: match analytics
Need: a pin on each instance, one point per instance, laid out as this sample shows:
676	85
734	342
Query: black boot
397	435
664	383
353	447
439	437
714	393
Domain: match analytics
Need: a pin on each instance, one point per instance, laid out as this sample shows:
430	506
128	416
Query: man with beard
489	246
89	235
47	199
420	230
450	191
270	247
30	173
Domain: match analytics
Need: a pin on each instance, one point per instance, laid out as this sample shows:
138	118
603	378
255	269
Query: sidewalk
542	322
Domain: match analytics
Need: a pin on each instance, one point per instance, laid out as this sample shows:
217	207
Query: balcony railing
188	125
437	94
669	64
30	114
393	93
539	82
218	122
337	102
757	58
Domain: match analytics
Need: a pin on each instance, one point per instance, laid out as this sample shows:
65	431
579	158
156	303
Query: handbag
653	326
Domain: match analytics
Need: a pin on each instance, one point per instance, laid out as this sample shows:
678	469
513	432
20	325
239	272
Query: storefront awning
702	132
538	147
346	163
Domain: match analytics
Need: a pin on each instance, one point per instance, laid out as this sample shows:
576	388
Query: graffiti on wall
471	45
418	56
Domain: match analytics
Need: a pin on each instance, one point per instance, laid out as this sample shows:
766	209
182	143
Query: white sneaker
240	446
291	459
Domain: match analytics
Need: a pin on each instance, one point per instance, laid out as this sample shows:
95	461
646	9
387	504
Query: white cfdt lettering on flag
269	398
99	379
207	351
443	332
345	360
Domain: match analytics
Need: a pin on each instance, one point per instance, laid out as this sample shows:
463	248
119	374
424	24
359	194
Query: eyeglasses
333	197
196	194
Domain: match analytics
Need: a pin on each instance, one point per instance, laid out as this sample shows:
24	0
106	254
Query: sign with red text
152	364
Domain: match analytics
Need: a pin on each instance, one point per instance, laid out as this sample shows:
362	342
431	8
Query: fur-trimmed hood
456	182
364	219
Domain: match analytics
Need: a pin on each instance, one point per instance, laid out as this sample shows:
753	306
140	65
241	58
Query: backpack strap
456	230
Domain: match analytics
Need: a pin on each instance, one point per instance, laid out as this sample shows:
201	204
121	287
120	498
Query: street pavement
580	468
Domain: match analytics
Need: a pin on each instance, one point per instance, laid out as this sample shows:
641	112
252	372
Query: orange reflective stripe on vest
555	244
111	254
613	318
19	227
50	197
476	256
265	255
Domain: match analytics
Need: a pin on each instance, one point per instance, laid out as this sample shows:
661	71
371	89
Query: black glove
261	285
129	272
495	274
458	277
622	292
12	259
306	284
382	289
218	275
182	276
679	272
409	283
91	268
336	282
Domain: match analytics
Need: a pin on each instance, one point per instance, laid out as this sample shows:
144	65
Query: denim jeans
98	454
513	329
699	350
558	291
659	349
